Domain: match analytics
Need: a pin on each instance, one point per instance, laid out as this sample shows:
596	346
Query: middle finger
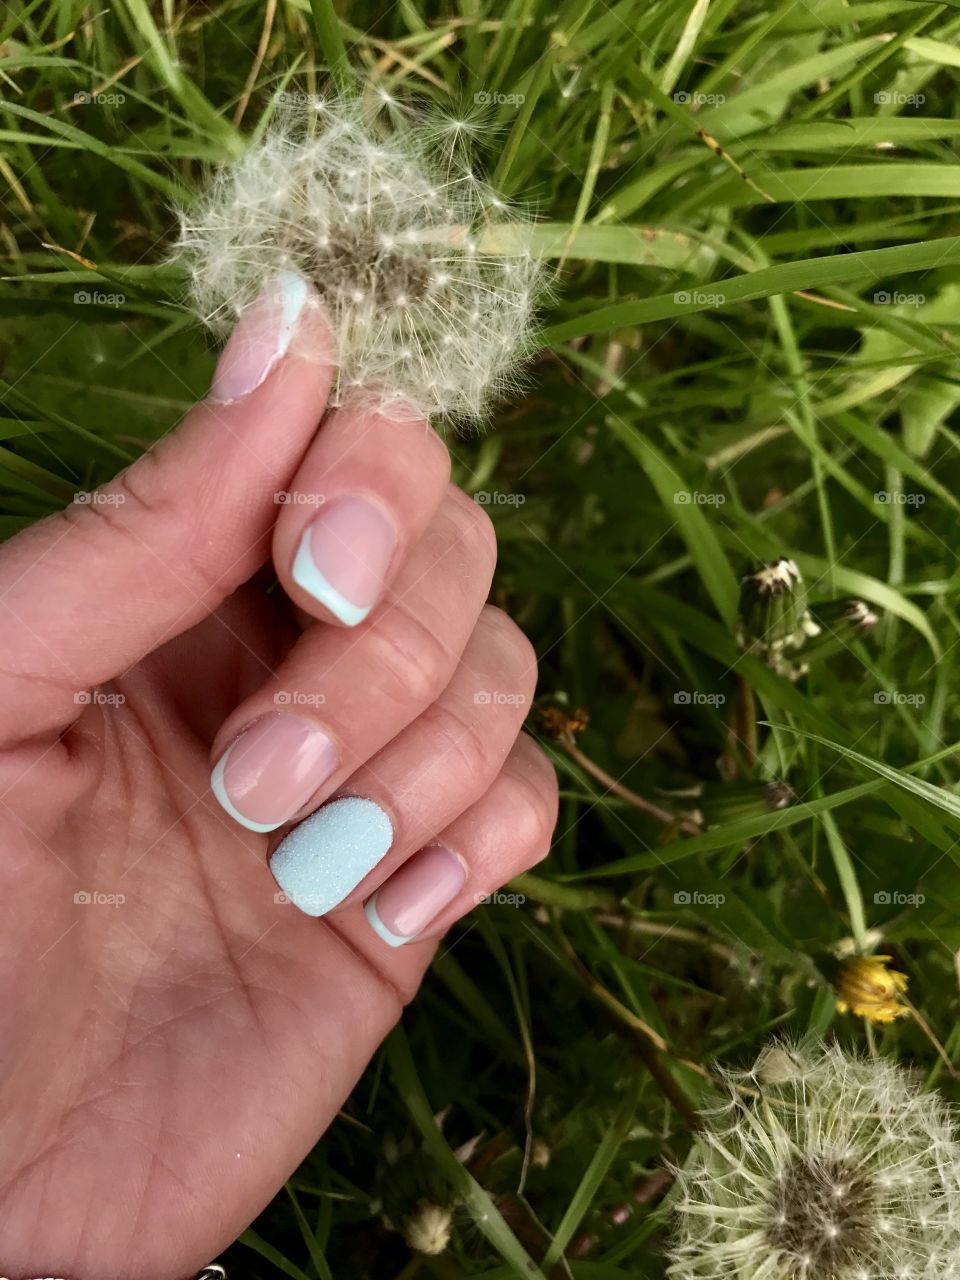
340	694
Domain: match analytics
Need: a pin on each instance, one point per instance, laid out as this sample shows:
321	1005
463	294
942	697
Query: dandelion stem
650	1044
686	825
928	1031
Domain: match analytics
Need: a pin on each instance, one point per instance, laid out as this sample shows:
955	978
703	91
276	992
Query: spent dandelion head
826	1166
431	291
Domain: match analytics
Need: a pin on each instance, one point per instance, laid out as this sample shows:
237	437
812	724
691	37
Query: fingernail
272	769
414	895
262	337
344	555
329	853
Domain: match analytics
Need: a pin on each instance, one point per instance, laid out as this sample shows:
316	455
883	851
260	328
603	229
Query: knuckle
529	803
473	524
137	503
122	507
406	659
461	749
508	646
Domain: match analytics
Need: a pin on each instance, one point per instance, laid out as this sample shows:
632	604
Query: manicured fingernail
272	770
329	853
414	895
262	337
344	555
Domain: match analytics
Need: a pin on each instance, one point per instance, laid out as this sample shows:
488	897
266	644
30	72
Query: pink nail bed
272	769
415	895
344	555
262	338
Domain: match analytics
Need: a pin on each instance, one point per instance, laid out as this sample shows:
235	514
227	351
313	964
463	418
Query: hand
175	1035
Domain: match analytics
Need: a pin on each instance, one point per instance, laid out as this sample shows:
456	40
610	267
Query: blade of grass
694	527
327	25
486	1216
593	1175
786	277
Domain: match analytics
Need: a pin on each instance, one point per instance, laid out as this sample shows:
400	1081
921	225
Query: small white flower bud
428	1229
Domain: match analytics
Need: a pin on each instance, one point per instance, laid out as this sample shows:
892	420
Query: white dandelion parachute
841	1169
398	235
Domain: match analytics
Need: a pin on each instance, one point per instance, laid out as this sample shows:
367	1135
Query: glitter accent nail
328	854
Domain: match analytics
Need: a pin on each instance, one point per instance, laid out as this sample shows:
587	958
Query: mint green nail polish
324	858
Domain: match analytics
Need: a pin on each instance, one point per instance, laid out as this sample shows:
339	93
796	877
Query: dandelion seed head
841	1169
398	237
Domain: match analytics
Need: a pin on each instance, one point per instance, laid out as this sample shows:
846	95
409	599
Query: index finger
365	491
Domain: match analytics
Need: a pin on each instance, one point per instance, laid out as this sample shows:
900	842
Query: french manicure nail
415	894
272	769
343	556
262	337
329	853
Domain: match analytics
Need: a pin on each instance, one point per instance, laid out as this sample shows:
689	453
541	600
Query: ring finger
416	785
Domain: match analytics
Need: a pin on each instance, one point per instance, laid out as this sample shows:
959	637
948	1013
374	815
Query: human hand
174	1037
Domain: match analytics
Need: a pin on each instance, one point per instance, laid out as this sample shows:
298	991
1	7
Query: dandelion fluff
394	230
841	1169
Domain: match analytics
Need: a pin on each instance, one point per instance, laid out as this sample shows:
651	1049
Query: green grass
763	314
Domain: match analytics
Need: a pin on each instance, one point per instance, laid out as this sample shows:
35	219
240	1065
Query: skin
167	1060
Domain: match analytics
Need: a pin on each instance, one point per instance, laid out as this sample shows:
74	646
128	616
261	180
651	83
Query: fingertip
344	556
286	321
365	492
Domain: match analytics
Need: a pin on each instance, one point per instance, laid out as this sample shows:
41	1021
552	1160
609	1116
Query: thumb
86	593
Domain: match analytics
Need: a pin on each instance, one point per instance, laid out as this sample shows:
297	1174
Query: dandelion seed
841	1170
391	227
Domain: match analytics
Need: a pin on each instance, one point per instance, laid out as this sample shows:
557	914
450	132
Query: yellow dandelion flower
868	989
